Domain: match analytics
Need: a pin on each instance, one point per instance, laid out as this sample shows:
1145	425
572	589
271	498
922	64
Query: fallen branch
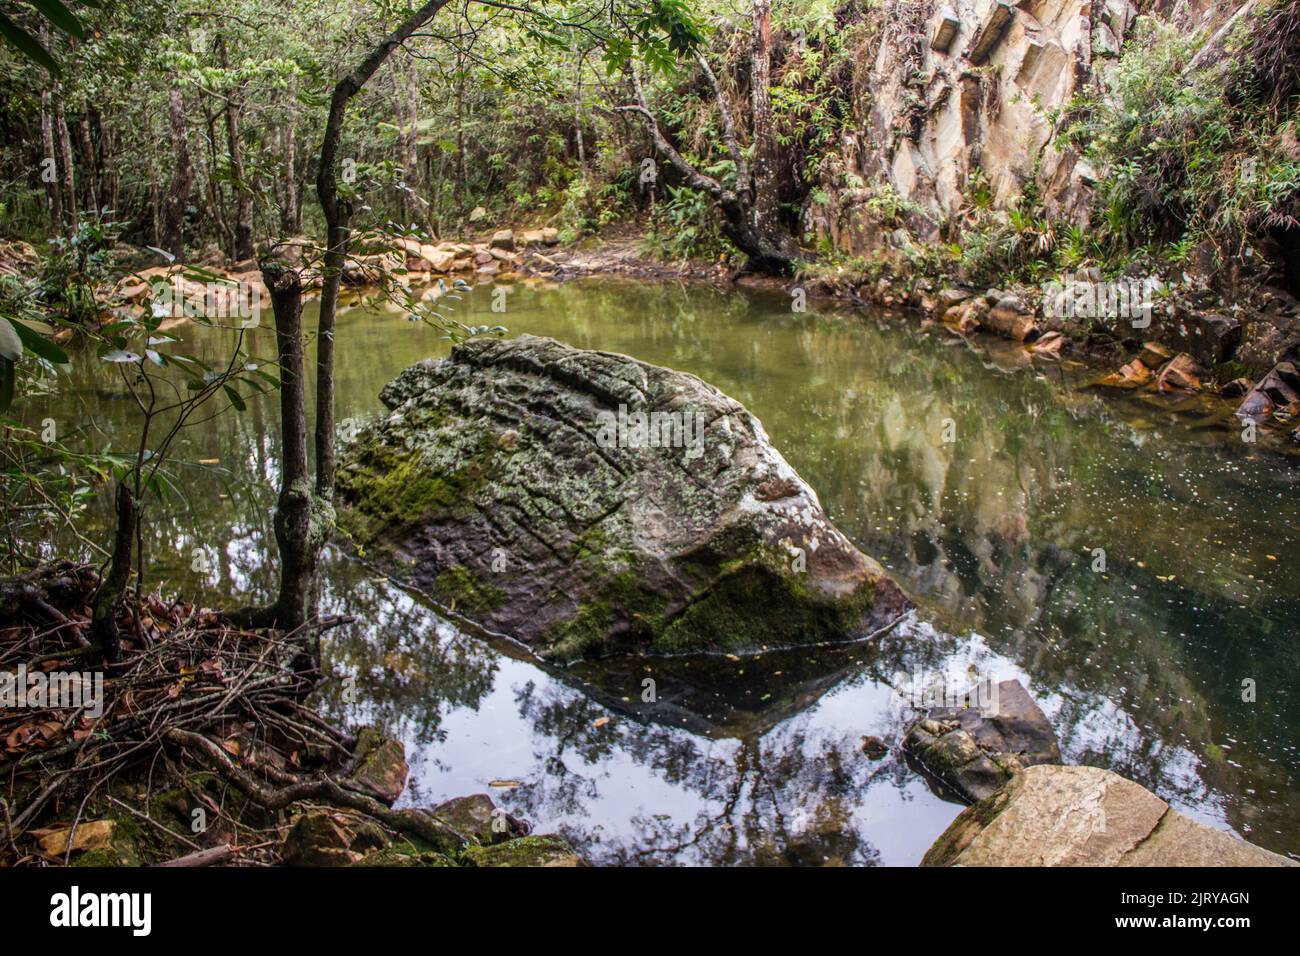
209	857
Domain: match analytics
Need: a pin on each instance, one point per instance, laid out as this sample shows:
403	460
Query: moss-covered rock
479	820
332	838
379	765
586	503
975	750
539	850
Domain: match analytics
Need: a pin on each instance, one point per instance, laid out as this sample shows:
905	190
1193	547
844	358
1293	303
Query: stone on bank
1085	816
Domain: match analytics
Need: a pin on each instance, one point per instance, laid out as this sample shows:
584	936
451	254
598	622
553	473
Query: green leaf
235	400
11	346
26	44
60	16
37	344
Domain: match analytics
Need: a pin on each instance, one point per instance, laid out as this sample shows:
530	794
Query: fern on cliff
1198	146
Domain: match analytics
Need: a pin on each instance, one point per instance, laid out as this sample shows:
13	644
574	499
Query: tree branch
728	128
693	176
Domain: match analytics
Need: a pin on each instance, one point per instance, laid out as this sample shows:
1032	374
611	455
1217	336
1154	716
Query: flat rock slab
1085	816
586	503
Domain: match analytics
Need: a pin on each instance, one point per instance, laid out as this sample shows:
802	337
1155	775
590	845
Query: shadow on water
1140	665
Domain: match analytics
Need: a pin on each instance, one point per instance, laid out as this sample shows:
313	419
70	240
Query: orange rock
1154	355
1132	375
1011	323
1049	346
1179	374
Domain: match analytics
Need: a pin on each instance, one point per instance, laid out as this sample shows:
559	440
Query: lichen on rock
587	503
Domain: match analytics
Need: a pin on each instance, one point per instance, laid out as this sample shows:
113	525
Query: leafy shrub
1193	155
688	227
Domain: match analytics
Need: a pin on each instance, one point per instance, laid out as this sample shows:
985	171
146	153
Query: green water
1140	667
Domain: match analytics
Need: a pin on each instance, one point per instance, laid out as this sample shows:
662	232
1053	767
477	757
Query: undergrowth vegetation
1199	148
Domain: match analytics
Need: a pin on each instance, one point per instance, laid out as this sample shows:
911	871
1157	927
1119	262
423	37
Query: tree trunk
406	108
300	526
155	203
178	193
577	118
216	204
337	215
107	162
86	144
765	214
290	222
294	517
50	163
67	177
458	193
113	587
770	249
243	199
242	194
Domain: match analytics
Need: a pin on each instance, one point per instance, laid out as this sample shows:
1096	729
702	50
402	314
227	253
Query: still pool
1129	559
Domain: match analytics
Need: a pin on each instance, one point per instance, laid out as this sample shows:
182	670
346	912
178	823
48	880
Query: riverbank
200	748
1175	338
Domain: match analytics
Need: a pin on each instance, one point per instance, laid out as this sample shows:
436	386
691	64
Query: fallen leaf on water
504	784
600	722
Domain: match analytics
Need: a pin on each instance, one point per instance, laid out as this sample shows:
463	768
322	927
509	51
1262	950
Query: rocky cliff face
967	99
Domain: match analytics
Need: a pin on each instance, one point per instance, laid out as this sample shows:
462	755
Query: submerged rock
1133	375
586	503
976	754
1085	816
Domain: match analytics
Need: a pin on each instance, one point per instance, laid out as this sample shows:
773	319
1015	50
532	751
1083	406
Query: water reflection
1140	665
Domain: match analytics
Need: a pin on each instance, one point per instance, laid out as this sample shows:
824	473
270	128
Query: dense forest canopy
202	123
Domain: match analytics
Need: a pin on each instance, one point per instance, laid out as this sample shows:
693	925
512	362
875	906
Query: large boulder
1085	816
586	503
